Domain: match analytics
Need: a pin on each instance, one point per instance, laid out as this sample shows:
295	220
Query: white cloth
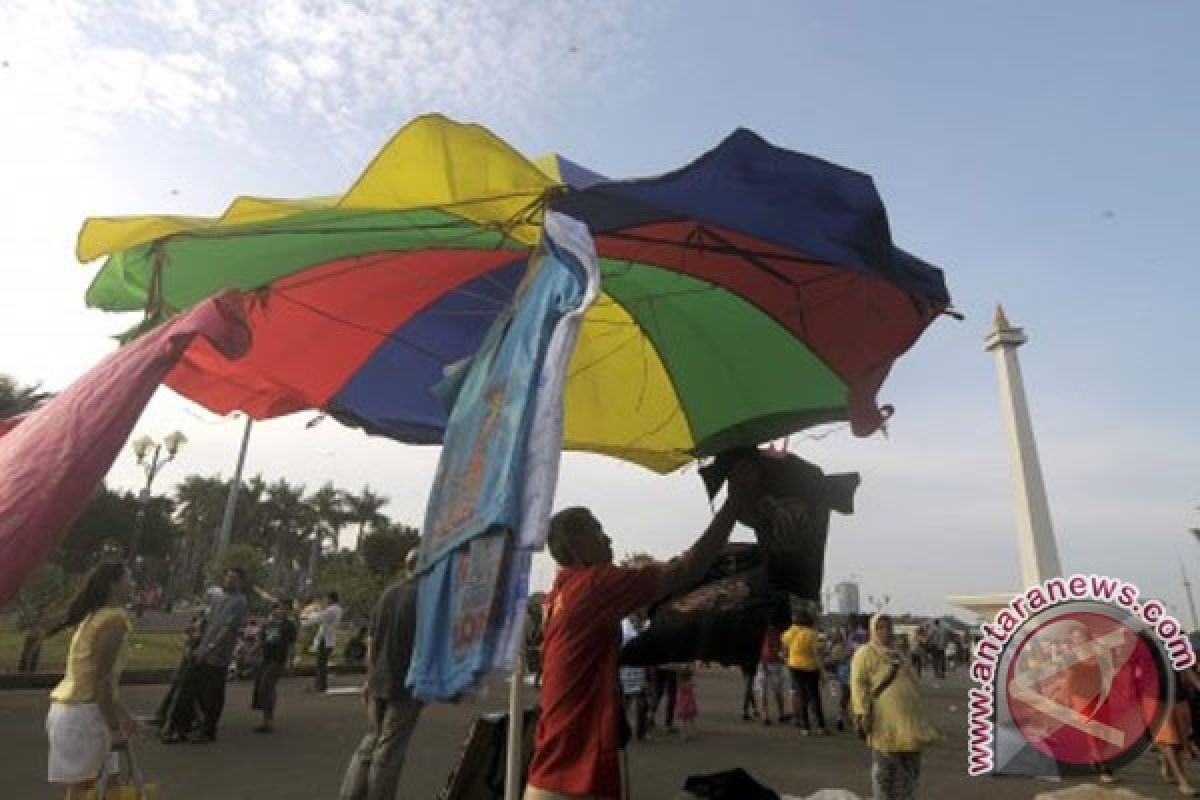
327	620
544	447
79	742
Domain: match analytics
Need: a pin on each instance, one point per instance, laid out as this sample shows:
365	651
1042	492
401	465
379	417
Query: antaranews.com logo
1074	675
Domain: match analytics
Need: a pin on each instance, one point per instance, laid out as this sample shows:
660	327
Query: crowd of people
582	726
797	667
87	719
870	671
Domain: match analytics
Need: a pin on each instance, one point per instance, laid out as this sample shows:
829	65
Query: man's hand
366	694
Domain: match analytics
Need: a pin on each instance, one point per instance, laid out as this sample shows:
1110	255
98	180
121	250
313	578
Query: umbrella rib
509	292
641	437
598	359
676	411
651	296
645	334
472	229
754	257
801	319
648	301
323	228
217	229
725	248
440	360
360	262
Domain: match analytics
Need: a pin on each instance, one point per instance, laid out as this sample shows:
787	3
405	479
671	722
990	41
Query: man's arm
690	568
230	631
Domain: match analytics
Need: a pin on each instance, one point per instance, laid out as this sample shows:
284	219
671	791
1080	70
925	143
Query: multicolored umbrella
748	295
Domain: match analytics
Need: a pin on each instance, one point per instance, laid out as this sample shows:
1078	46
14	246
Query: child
839	666
685	702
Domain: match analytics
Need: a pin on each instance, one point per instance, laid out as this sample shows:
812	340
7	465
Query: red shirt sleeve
623	590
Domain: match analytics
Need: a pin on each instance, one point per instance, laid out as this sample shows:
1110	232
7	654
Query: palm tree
364	509
199	507
288	522
328	506
252	514
16	399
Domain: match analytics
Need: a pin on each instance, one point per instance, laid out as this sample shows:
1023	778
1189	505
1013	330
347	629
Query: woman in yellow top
86	717
804	663
884	688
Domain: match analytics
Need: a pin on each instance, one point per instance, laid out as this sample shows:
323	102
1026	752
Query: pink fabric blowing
52	461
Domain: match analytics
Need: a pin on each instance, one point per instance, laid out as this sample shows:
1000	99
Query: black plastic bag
734	784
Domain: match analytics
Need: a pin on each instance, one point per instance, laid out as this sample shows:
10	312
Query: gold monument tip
1001	321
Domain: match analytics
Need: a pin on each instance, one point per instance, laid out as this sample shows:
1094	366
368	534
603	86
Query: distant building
845	598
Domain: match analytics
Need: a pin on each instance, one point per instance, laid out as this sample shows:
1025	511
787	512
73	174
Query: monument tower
1037	551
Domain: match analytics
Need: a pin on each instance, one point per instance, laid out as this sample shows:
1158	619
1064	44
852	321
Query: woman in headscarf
86	715
886	700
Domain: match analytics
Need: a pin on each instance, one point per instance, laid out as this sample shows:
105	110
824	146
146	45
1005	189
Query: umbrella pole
516	726
231	498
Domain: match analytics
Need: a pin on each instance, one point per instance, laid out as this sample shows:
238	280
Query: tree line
286	538
287	541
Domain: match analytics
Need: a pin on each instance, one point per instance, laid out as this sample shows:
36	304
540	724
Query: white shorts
79	742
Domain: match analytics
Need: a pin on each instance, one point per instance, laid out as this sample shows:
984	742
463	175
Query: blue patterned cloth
473	562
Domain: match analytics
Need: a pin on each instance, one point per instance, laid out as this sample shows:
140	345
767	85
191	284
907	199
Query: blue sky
1043	154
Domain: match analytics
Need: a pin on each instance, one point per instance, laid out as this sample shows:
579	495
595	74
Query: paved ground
305	757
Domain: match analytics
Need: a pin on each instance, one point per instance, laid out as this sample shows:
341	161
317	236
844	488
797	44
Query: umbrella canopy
747	295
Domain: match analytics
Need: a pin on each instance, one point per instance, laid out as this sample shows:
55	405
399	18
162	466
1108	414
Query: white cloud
935	514
339	66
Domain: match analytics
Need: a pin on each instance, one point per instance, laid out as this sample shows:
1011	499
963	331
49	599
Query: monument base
986	606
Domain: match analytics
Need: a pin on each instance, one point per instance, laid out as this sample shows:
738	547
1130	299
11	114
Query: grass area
145	650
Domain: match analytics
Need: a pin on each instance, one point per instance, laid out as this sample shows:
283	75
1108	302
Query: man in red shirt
577	747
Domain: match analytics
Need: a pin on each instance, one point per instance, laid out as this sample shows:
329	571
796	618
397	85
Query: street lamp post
151	458
880	604
231	498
